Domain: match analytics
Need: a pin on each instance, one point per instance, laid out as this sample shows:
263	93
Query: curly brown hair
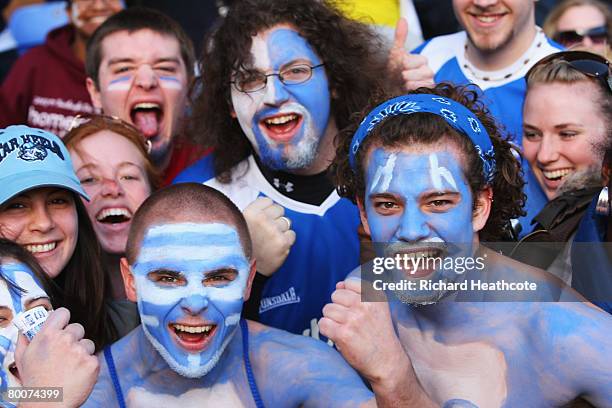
428	129
349	49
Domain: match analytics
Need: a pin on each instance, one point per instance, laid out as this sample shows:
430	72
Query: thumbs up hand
413	68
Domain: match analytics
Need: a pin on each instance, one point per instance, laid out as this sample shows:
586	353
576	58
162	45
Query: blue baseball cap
32	158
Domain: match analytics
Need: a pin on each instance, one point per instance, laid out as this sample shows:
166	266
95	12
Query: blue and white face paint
419	203
13	302
284	123
190	280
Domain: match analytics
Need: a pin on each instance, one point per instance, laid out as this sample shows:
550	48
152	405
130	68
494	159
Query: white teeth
556	174
281	120
423	254
41	247
193	329
146	105
487	19
113	211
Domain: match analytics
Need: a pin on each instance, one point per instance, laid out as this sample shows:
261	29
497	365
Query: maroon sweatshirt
46	86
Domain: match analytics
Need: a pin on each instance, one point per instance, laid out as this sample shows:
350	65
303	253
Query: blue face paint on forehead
303	110
419	200
190	313
409	176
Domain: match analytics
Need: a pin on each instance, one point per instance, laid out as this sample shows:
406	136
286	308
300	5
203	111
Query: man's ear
482	208
128	279
94	93
252	272
363	216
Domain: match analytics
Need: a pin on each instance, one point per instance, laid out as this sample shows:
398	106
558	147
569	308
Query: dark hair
181	202
134	19
10	249
427	128
348	49
85	286
97	123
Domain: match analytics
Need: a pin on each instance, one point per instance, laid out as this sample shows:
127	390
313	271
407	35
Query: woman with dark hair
40	210
111	160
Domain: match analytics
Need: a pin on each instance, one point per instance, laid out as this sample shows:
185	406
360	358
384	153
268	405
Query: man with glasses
280	77
499	45
46	86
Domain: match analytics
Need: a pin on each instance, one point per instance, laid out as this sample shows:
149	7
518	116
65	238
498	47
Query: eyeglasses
254	81
598	35
591	65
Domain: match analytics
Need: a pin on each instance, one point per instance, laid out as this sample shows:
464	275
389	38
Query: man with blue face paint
433	178
12	302
58	355
275	91
189	267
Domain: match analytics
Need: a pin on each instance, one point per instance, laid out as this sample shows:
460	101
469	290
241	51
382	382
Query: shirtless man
429	185
189	267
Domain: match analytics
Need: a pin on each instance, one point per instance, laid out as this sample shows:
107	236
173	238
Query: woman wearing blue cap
40	209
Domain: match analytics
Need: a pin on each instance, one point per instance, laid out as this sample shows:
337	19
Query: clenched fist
270	232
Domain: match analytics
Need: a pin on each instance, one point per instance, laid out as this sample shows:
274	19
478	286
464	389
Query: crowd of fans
201	222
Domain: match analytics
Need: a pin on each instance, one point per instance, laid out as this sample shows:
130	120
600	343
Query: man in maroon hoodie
46	86
140	65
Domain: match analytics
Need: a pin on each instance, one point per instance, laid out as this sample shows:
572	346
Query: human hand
271	234
413	68
362	331
58	356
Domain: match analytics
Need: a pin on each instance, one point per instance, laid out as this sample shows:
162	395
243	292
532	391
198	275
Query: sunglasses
591	65
597	35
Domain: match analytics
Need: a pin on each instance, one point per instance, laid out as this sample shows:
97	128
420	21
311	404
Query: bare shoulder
293	370
269	339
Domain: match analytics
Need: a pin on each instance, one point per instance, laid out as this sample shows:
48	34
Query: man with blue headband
189	267
437	319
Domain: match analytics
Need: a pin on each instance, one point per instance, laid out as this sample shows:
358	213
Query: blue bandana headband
455	114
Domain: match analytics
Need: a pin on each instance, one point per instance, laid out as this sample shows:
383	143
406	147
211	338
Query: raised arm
363	332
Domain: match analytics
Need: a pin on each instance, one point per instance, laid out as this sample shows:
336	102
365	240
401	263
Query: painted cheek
315	97
170	82
120	84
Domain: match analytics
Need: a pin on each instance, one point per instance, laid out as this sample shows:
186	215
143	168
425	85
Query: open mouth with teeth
114	216
488	19
281	128
41	248
147	116
191	337
556	175
420	263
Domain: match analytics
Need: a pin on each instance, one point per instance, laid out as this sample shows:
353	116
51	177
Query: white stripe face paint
123	83
439	172
170	82
16	302
384	175
190	274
